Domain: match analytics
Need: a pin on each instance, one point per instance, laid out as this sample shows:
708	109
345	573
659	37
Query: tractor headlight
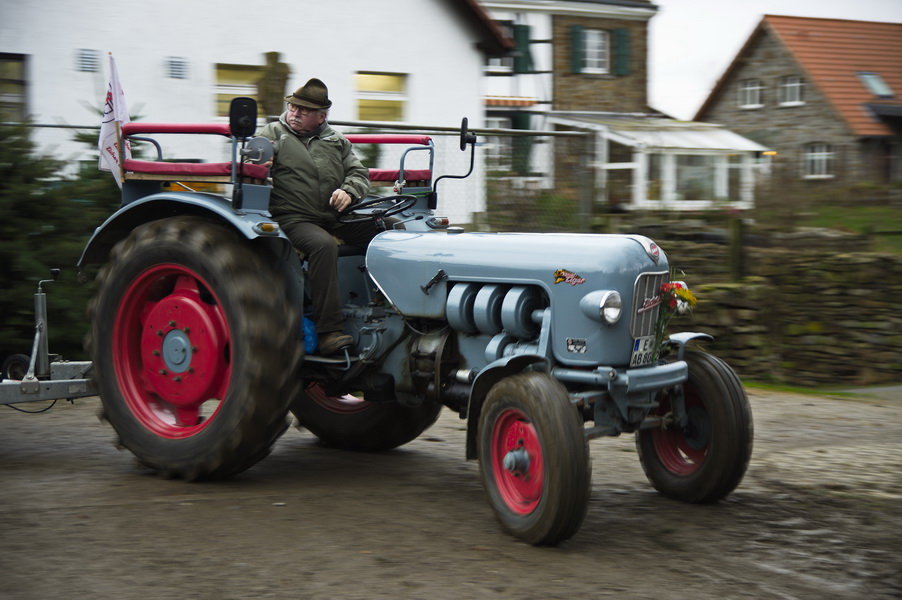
604	305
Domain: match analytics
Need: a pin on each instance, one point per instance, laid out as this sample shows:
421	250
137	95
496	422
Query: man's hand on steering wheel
395	204
340	200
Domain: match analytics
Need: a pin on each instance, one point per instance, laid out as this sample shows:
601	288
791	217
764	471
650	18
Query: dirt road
819	516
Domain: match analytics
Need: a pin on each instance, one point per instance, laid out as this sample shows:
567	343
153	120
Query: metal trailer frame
48	376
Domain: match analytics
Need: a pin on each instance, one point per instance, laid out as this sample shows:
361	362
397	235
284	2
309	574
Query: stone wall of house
786	129
581	91
813	315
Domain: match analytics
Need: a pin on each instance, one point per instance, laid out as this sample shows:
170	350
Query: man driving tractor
316	177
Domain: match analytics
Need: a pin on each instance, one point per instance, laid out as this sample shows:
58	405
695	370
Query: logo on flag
115	114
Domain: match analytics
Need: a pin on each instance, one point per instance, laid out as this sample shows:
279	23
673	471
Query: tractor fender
485	379
253	225
680	340
157	206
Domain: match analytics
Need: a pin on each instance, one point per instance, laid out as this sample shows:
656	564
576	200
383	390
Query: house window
876	85
791	91
595	51
87	60
502	65
12	88
818	161
381	96
499	148
750	93
599	52
176	67
235	80
695	177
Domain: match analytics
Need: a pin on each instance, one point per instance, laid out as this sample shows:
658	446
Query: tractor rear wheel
704	460
195	348
352	423
534	458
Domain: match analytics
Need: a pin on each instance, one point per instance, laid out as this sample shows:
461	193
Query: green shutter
576	49
621	52
521	145
522	56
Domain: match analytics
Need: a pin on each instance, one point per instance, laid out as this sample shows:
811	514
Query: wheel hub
177	351
184	348
517	461
698	430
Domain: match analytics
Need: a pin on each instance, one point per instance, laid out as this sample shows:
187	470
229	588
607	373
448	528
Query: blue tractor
540	342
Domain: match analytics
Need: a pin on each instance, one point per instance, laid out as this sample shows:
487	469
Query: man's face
303	119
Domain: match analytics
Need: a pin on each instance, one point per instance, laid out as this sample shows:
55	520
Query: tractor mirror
243	117
258	150
465	136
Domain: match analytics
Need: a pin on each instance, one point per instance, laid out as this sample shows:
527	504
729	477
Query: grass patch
883	223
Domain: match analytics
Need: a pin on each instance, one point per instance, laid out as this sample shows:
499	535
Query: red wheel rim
346	405
682	452
517	462
172	351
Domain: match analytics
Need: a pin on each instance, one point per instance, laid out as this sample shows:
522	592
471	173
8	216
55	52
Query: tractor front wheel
704	458
534	458
195	348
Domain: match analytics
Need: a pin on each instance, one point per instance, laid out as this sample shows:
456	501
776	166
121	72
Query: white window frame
818	161
499	149
500	65
399	97
244	85
875	84
791	91
14	96
750	94
596	51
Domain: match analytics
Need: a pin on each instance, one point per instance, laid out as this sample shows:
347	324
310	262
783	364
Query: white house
406	61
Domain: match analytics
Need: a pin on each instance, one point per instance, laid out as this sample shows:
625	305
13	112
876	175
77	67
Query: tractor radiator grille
646	303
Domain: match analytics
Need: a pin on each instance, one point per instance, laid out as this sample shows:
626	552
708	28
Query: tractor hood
415	270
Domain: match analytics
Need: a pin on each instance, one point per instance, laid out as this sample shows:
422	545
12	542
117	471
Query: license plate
642	351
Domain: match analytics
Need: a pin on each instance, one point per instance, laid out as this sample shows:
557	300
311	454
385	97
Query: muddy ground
818	516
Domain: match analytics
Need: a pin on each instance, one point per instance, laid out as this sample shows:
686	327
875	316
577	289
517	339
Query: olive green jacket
307	168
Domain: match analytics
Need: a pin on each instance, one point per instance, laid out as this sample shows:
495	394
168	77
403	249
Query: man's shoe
332	342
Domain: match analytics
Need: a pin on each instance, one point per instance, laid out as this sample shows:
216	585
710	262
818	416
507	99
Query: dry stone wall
813	317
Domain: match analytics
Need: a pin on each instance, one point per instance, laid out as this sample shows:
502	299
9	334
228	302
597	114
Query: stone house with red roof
825	94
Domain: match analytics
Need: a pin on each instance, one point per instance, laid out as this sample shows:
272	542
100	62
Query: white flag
115	114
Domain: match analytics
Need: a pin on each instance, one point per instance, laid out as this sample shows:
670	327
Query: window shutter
621	52
521	145
522	57
576	49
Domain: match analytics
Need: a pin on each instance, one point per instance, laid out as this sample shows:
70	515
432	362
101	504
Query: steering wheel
396	204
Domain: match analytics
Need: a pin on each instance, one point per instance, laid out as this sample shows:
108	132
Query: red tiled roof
834	51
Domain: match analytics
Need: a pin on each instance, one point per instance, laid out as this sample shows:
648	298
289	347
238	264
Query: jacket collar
323	131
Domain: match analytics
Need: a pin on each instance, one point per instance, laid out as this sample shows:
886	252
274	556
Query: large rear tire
352	423
705	460
534	458
195	348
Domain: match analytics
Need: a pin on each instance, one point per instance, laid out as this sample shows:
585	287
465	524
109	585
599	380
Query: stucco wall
331	40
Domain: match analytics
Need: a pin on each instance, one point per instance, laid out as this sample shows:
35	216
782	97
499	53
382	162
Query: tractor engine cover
482	283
